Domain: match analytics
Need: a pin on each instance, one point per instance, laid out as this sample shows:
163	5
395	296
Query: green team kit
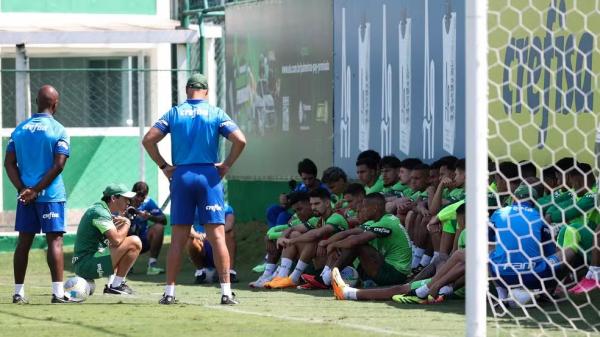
393	244
91	255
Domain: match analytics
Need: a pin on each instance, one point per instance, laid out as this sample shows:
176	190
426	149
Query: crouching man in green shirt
102	245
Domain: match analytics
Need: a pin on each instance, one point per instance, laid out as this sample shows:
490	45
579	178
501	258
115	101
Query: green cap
525	191
197	81
118	189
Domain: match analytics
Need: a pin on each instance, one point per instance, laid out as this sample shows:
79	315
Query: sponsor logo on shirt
214	208
51	215
99	270
34	127
63	144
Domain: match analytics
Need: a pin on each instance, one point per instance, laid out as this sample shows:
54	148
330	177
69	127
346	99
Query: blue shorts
542	273
197	188
143	235
45	217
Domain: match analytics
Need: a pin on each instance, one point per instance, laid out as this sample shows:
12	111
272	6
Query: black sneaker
229	300
200	279
18	299
233	278
123	289
167	299
59	300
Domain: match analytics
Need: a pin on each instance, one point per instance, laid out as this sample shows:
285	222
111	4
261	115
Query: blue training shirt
522	238
195	127
151	207
35	142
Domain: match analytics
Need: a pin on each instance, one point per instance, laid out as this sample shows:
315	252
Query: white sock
502	292
20	289
593	273
170	290
232	271
350	293
425	260
446	290
435	255
58	290
226	289
117	281
152	261
422	291
199	272
417	255
110	279
284	267
269	269
300	266
326	275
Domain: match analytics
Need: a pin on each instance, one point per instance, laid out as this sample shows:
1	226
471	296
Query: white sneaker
260	283
520	297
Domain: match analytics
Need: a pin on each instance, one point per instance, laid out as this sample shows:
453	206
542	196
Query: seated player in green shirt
299	203
381	245
367	171
404	173
448	276
102	245
337	181
353	197
303	247
416	194
390	173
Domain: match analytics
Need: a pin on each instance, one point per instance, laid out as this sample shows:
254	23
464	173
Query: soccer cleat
267	285
316	282
282	283
338	284
18	299
408	299
260	268
437	300
153	270
122	289
233	278
584	286
229	300
64	299
260	283
167	300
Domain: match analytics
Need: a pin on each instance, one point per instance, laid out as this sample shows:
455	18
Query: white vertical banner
449	81
364	85
405	75
477	174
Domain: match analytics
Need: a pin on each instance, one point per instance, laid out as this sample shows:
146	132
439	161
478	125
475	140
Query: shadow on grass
78	324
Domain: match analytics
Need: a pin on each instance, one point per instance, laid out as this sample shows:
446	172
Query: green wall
147	7
94	163
250	199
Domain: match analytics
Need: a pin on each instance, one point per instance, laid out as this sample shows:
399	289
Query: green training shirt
96	221
377	187
392	241
336	220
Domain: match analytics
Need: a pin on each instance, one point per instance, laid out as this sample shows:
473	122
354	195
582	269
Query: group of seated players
403	229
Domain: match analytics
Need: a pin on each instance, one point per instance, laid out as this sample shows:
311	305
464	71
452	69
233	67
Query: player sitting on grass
148	224
201	254
381	244
448	276
390	173
591	281
303	247
102	245
337	181
300	203
353	197
367	171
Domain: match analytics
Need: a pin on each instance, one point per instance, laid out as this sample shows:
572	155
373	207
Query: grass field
261	313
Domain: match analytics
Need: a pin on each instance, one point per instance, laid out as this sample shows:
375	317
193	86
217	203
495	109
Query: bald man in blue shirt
195	127
36	154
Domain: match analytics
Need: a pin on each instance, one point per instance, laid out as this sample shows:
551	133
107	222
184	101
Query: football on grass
77	289
350	276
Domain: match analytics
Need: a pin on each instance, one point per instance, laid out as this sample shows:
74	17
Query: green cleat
152	270
408	299
259	268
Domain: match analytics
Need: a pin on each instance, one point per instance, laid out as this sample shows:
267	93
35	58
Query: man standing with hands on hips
195	176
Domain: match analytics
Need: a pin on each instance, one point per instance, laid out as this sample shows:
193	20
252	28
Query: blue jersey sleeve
62	146
228	210
10	147
163	123
226	125
151	207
